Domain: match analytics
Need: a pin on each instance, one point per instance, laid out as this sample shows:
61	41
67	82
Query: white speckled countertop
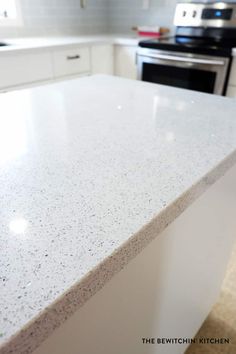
91	171
34	43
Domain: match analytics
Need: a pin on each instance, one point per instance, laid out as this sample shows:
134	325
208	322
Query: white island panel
165	293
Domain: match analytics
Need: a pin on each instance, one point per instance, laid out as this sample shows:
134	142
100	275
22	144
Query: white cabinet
125	61
18	68
232	76
102	59
71	61
231	91
22	68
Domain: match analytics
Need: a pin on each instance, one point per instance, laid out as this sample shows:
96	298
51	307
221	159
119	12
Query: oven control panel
218	14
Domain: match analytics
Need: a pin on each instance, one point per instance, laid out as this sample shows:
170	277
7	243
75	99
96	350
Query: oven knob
194	13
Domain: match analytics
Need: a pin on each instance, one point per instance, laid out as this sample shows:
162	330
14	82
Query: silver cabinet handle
73	57
184	59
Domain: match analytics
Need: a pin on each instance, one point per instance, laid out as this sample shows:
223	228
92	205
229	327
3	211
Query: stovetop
205	46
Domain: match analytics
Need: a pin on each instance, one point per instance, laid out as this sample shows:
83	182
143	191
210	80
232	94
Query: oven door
194	72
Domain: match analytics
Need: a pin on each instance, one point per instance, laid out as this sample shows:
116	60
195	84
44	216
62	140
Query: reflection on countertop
86	164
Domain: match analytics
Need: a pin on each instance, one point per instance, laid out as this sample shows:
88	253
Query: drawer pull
73	57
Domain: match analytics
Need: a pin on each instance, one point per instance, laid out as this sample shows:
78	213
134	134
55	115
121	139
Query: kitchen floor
221	322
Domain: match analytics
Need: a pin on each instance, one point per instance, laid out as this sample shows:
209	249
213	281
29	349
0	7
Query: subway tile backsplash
60	17
65	17
125	14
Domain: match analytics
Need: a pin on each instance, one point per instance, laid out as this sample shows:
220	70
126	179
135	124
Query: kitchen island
117	206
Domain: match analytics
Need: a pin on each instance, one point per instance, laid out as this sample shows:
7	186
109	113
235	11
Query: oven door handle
185	59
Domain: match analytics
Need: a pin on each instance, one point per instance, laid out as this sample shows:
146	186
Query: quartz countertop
34	43
92	170
20	44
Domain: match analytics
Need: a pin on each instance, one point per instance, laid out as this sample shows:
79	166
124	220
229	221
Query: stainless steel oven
199	56
191	71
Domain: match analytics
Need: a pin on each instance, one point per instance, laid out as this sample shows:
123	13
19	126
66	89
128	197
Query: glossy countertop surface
33	43
91	170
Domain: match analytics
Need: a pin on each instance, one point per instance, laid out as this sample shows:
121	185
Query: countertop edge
41	327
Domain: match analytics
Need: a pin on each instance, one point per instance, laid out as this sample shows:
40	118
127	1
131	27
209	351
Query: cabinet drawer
19	69
71	61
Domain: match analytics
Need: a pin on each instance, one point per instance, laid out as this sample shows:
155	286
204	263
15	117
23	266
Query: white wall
124	14
65	17
57	17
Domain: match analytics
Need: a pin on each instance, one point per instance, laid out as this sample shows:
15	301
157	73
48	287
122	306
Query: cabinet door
20	69
232	76
71	61
102	59
231	91
125	62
